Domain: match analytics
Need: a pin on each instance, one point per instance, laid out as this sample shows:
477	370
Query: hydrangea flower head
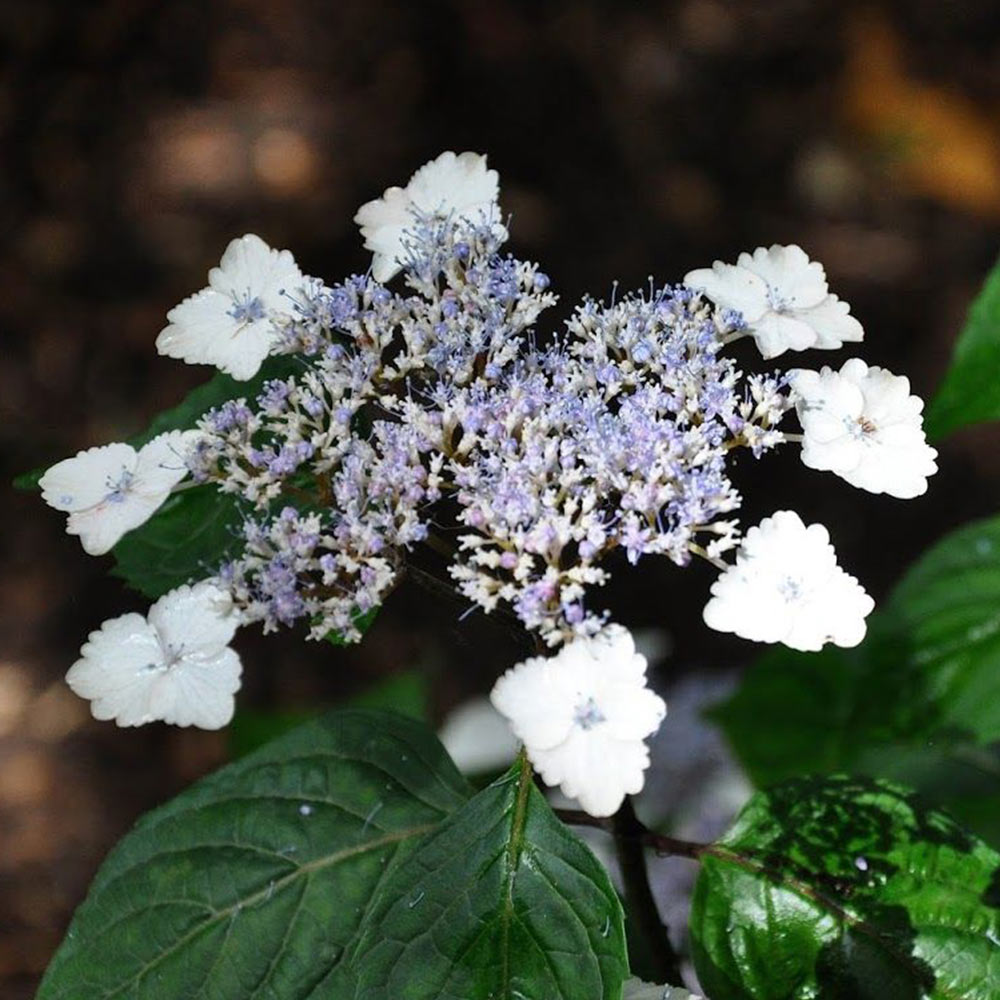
583	715
112	489
786	587
231	323
783	298
863	424
449	186
439	408
175	665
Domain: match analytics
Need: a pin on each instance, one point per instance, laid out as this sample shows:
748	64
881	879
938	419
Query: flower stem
718	563
630	838
440	545
662	845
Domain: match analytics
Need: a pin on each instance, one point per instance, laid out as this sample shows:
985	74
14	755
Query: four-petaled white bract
583	715
230	324
786	587
112	489
863	424
451	185
175	665
783	298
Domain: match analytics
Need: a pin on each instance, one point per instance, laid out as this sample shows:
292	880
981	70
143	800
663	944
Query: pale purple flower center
118	490
777	301
587	714
247	309
861	428
790	589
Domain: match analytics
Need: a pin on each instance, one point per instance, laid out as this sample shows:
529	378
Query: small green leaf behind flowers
970	391
187	539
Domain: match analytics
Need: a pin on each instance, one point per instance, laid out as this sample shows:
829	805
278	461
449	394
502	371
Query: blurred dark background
631	139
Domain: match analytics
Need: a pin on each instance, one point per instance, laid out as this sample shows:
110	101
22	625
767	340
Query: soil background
137	138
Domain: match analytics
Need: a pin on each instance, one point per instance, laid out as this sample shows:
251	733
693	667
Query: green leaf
251	729
405	693
914	701
197	402
954	774
799	713
847	889
970	392
501	902
948	609
188	538
254	882
29	480
340	861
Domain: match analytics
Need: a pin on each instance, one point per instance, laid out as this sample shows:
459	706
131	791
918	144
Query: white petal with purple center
451	185
583	715
231	323
174	665
109	490
786	587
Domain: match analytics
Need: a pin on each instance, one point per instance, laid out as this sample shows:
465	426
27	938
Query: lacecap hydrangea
429	407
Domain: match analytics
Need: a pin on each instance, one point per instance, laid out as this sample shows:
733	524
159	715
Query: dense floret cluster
435	413
549	454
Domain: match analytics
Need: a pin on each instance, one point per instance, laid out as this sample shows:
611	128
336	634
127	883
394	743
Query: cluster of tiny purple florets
438	416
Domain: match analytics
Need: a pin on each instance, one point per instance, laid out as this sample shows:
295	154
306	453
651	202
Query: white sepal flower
783	297
636	989
583	715
111	489
175	665
451	185
862	424
786	587
230	324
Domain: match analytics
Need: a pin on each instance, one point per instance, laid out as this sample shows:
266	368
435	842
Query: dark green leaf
952	773
916	700
29	480
948	610
251	729
797	713
187	539
501	902
254	882
405	693
847	889
970	392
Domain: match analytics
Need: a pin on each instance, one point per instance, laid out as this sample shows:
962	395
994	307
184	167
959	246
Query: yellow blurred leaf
937	141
